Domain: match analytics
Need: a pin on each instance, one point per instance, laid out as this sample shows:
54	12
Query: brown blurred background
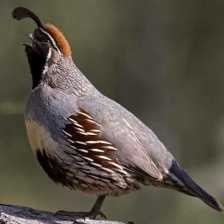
163	60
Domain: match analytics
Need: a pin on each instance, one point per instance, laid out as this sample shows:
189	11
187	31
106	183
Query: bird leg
96	209
93	213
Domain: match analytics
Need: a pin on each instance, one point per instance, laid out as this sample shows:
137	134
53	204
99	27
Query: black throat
37	60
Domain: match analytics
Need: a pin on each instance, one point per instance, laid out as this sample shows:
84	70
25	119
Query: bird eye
40	36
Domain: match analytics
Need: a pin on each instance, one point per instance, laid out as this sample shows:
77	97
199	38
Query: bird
84	140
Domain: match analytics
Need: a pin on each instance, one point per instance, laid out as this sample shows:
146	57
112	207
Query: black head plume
36	51
22	13
45	39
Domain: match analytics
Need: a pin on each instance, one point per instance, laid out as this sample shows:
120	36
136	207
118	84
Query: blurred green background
163	60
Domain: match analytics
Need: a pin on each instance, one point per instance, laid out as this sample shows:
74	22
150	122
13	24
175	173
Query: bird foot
91	214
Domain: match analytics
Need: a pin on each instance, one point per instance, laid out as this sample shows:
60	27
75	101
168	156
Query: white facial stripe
51	39
47	59
49	54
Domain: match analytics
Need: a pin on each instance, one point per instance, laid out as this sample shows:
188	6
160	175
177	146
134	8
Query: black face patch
40	36
38	53
37	59
54	168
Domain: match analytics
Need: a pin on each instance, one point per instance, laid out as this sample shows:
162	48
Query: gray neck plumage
65	75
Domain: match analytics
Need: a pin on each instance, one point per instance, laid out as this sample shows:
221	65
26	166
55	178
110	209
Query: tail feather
181	181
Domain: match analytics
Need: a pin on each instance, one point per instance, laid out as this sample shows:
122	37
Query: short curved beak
29	41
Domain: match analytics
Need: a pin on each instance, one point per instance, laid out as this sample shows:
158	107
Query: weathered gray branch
12	214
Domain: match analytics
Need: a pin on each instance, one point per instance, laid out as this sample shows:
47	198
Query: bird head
47	45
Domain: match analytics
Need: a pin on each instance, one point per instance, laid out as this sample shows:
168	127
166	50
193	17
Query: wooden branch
13	214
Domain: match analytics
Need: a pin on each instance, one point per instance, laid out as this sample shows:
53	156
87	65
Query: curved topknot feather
22	13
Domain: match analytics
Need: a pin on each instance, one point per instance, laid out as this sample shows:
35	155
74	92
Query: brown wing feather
84	135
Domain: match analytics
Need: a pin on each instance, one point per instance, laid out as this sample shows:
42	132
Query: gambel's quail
84	140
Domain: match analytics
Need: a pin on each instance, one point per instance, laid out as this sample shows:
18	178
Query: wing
86	134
